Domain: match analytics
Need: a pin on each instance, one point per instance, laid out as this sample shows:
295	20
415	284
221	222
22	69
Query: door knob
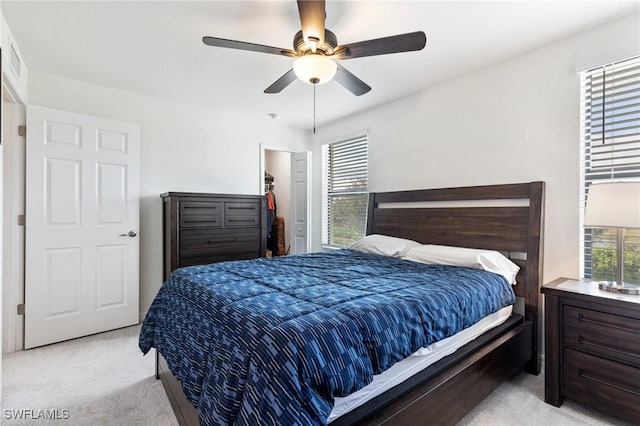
129	234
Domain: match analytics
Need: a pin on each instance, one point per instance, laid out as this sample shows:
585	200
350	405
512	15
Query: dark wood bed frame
507	218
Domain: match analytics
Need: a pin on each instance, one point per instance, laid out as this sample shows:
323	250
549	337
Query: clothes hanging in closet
271	210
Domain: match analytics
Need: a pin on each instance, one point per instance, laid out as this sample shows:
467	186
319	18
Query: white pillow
384	245
487	260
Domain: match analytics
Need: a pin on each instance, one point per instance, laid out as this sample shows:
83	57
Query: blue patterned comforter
273	341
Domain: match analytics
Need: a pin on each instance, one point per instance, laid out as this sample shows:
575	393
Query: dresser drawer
218	257
206	242
603	384
197	214
603	334
240	213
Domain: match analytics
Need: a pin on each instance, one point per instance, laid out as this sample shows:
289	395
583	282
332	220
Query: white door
300	226
82	217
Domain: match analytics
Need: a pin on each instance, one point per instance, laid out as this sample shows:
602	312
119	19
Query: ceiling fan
315	49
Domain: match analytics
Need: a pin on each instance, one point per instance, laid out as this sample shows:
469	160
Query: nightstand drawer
602	384
599	333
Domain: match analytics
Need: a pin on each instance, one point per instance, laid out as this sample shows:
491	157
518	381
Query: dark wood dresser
592	347
206	228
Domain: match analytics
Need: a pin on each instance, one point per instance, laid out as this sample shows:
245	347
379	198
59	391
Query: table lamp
615	205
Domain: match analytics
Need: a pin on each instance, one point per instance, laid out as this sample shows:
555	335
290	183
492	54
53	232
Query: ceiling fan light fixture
315	68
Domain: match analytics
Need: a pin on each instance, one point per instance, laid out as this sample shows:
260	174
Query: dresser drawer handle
202	221
581	318
242	208
233	240
201	207
582	341
582	374
242	220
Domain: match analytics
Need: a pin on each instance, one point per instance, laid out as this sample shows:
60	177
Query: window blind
610	133
345	178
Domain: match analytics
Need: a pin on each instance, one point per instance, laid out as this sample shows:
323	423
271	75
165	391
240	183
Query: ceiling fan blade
351	82
243	45
312	16
382	46
282	82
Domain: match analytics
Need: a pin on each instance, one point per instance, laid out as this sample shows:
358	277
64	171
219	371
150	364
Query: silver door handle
129	234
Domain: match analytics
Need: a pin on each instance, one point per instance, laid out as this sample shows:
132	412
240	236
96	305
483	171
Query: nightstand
592	347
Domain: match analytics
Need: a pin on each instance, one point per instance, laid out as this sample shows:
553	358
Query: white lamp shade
613	205
314	68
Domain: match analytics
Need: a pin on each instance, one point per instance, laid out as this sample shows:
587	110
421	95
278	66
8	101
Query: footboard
446	391
452	387
186	414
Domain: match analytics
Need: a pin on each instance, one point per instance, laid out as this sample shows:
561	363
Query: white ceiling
155	47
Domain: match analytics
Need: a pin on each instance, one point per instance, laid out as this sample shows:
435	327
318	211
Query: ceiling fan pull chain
314	109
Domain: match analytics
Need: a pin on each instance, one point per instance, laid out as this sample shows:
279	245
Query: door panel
111	275
62	134
82	199
62	275
111	141
300	162
62	192
111	194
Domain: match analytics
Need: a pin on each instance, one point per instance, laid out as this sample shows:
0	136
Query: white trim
14	52
359	138
17	83
608	58
13	234
288	228
266	147
8	93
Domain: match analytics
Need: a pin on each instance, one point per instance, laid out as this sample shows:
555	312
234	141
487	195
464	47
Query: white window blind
345	177
610	119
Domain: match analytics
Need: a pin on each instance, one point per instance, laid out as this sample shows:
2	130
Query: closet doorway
285	179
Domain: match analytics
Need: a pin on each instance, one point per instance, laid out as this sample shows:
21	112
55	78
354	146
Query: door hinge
21	220
22	131
21	309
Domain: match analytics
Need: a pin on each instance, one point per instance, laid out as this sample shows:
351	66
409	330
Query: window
610	118
344	188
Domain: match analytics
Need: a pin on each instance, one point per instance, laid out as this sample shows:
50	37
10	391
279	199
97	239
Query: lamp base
622	289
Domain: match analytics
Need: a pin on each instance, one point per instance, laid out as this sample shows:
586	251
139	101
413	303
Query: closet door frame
289	233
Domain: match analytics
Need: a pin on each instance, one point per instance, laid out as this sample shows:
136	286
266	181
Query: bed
507	218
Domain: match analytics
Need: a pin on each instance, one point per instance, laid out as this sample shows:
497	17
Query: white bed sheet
417	362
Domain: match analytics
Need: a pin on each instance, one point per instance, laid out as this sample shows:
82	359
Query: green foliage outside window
604	255
348	218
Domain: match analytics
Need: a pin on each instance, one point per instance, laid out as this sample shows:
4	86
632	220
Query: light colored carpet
105	380
520	401
101	380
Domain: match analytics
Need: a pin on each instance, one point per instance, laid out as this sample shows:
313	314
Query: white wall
183	148
516	121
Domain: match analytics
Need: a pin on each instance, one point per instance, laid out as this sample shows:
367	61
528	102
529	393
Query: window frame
612	138
359	146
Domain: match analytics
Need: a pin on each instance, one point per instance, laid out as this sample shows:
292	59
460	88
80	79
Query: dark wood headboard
507	218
